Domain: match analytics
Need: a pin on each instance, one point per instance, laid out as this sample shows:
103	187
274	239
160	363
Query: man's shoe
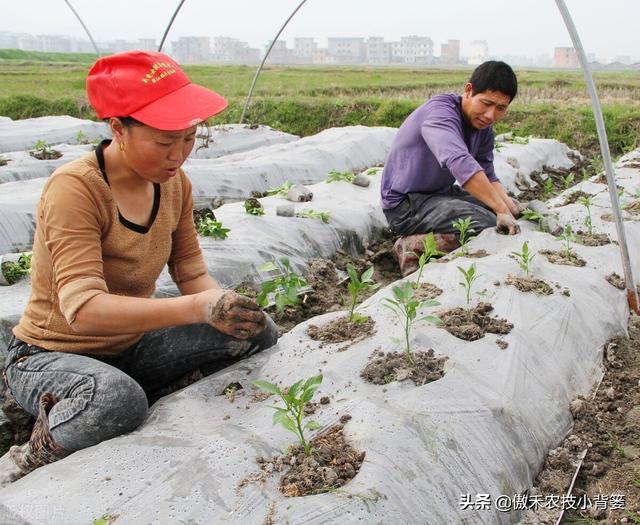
41	449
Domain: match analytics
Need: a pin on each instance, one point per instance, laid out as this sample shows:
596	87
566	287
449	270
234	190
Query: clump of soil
427	291
17	429
607	428
3	161
393	366
502	344
594	239
529	284
556	257
474	323
574	196
200	214
333	463
633	207
340	329
479	254
617	281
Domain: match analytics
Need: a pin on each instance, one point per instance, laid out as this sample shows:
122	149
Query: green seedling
587	202
209	227
372	171
253	207
464	229
520	140
406	306
356	286
105	519
295	399
547	189
285	287
469	276
81	138
43	151
585	175
14	271
324	216
340	176
568	180
614	444
567	236
524	258
498	146
281	190
533	216
429	250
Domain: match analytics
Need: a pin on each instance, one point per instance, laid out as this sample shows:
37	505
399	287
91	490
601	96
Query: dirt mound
340	330
393	366
529	284
561	258
474	323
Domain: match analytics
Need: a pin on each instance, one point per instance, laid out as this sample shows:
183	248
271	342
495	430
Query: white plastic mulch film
485	427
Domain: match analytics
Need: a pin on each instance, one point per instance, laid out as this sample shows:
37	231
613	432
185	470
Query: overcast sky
516	27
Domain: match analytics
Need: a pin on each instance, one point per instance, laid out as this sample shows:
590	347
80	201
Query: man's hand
517	208
233	314
506	224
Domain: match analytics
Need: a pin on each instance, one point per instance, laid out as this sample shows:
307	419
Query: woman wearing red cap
92	343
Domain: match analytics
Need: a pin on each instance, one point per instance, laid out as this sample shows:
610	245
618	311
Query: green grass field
305	100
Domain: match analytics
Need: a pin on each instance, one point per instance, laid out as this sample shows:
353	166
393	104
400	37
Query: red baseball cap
149	87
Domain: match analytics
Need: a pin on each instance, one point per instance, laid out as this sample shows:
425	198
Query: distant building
377	51
304	48
280	53
8	40
147	44
450	52
415	50
192	49
348	50
478	52
233	50
565	57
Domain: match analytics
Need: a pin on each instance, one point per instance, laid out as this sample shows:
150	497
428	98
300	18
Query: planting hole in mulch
427	291
47	154
573	197
332	464
593	239
340	330
607	426
474	323
529	284
561	258
393	366
615	280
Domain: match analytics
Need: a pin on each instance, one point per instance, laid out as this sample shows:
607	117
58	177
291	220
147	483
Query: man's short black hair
494	75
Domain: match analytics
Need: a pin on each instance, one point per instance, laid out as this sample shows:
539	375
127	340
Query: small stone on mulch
393	366
561	258
502	344
529	284
340	329
474	323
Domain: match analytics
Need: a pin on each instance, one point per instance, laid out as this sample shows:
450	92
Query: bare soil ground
529	284
607	427
557	257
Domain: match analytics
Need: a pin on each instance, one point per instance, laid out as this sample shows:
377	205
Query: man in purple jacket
440	166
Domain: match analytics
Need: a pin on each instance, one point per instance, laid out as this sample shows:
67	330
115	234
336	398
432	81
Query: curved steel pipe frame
632	292
266	55
166	31
83	26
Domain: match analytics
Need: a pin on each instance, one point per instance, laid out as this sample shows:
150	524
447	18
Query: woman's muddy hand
233	314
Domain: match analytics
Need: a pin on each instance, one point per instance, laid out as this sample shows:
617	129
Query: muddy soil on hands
529	284
393	366
556	257
474	323
607	426
332	464
341	329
